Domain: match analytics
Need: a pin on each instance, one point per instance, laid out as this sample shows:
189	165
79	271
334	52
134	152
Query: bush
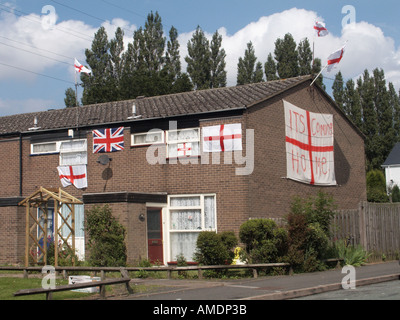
106	238
215	249
308	231
264	241
376	186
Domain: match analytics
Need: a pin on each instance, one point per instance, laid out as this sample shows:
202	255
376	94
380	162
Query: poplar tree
98	86
305	57
287	57
352	104
249	70
270	69
218	64
198	60
338	91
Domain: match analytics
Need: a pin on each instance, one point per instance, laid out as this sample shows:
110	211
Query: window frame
77	150
200	207
197	140
133	144
57	143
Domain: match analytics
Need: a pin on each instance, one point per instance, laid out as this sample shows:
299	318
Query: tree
316	68
249	71
116	50
270	69
394	101
198	60
305	57
98	87
217	57
287	57
338	91
352	104
70	98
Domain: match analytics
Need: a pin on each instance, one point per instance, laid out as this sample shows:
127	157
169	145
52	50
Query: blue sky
36	56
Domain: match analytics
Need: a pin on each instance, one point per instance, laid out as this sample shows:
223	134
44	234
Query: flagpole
318	75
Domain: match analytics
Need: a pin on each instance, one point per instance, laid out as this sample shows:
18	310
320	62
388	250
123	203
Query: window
151	137
183	143
188	216
45	148
73	152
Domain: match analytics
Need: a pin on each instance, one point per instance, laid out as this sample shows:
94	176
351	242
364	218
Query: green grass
9	285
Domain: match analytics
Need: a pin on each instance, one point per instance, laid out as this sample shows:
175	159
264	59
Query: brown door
154	235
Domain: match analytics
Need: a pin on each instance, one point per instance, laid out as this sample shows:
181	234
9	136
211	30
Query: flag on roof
334	58
320	29
81	68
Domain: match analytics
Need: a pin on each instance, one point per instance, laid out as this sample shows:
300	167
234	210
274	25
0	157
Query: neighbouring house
392	167
172	166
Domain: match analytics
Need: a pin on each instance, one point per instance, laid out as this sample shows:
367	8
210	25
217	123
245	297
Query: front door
154	235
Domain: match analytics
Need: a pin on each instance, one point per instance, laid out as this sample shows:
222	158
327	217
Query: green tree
376	186
305	57
249	70
352	104
98	87
287	57
116	51
198	60
316	68
394	101
270	69
338	91
70	98
106	238
365	87
217	57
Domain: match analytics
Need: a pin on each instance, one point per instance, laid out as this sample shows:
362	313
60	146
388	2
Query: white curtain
73	152
188	214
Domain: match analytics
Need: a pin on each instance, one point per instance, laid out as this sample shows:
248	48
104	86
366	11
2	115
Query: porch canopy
36	225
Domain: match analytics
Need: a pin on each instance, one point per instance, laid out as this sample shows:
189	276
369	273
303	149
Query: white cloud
367	46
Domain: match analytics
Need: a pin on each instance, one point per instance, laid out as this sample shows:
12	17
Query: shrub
106	238
215	249
376	186
308	225
264	241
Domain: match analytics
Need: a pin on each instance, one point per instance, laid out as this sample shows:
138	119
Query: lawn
9	285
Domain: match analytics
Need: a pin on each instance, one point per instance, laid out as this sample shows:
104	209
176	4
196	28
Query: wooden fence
375	226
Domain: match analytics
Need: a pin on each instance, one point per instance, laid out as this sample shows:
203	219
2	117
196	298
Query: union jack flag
108	140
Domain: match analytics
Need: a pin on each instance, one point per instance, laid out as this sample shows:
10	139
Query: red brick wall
270	193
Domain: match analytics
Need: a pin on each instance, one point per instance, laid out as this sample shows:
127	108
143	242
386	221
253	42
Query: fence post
362	225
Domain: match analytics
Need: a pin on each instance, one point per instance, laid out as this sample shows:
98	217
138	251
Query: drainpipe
20	164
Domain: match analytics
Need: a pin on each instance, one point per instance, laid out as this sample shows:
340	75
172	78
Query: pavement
263	288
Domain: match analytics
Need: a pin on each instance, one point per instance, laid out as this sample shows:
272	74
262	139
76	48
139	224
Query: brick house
163	187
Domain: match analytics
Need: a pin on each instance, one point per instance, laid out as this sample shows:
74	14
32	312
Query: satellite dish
104	159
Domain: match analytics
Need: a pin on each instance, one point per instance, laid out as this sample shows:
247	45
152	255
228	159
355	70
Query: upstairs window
45	148
183	143
73	152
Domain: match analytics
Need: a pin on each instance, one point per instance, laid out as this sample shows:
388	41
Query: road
380	291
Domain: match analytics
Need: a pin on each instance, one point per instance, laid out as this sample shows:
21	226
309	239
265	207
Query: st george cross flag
335	58
320	29
81	68
309	146
73	175
108	140
224	137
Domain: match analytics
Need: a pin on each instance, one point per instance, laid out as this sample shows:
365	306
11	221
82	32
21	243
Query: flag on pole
320	29
75	175
81	68
335	58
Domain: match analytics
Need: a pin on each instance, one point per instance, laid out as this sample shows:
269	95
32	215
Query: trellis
36	251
